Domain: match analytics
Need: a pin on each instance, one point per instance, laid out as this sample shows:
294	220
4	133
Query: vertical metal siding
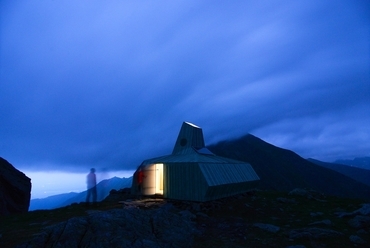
227	179
216	192
218	174
184	181
203	182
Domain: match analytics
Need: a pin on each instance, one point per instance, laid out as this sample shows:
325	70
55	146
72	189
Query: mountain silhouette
61	200
283	170
50	202
362	162
361	175
103	189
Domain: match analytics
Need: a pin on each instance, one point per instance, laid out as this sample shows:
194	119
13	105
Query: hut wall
134	189
184	181
220	191
223	173
228	179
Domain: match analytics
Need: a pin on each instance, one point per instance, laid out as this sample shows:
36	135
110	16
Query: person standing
91	186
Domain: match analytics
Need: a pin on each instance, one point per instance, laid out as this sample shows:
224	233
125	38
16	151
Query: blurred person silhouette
91	186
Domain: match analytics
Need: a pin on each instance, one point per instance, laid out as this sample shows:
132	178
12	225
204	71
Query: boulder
285	200
356	239
267	227
119	195
360	221
309	194
313	233
128	227
15	189
325	222
364	210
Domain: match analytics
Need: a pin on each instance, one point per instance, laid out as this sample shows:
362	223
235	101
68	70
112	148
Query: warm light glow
159	179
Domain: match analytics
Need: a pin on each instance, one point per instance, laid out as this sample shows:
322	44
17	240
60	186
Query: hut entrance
159	179
153	180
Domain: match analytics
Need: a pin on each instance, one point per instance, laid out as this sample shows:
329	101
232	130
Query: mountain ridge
50	202
279	169
356	173
360	162
283	170
61	200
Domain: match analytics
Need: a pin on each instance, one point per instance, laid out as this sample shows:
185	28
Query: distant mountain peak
359	174
61	200
283	170
360	162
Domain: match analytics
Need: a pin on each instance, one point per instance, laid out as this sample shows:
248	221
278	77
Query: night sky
107	84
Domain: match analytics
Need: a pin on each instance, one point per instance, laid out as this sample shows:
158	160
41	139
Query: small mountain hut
194	173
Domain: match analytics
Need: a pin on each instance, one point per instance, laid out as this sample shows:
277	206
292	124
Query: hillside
61	200
283	170
282	212
361	175
103	189
363	162
51	201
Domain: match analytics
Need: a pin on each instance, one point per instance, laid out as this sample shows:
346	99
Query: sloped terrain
254	219
283	170
62	200
103	189
278	219
356	173
50	202
362	162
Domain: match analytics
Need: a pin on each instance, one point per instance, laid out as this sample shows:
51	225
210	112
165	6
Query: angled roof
192	155
190	147
190	136
192	172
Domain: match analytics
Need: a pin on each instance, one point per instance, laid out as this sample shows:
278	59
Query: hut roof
192	172
190	147
192	155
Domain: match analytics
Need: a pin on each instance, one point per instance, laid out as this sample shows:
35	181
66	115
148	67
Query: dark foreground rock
364	210
119	195
128	227
267	227
313	233
253	219
15	189
360	221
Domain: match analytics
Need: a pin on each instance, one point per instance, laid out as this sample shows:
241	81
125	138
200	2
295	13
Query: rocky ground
131	226
300	218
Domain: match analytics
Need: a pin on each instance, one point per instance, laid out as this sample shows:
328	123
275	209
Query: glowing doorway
159	179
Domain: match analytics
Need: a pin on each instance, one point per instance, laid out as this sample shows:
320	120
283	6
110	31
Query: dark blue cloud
109	84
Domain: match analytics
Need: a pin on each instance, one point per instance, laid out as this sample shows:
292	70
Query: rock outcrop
313	233
253	219
15	189
127	227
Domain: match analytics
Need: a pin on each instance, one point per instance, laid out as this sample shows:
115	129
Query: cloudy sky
107	84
